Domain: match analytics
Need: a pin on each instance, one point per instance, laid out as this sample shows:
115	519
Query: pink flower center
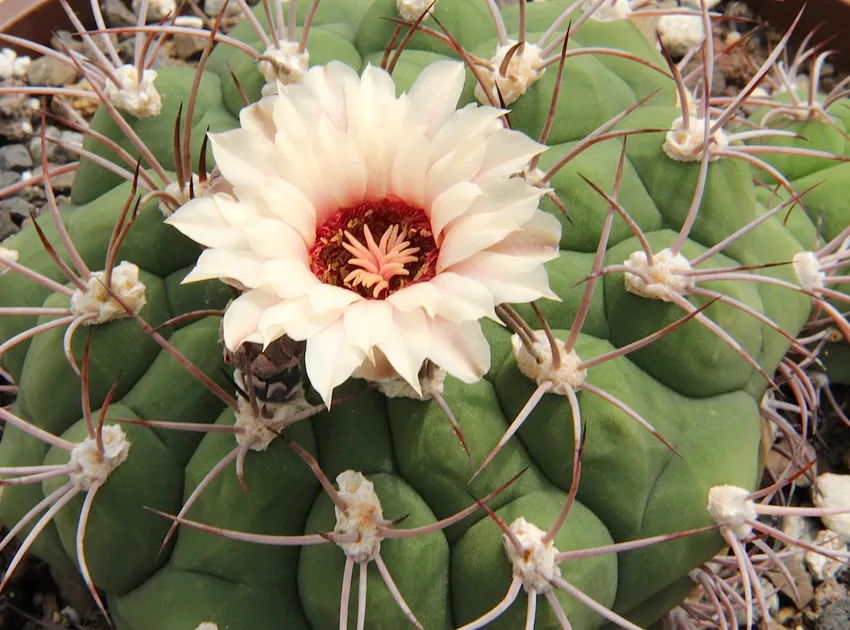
347	254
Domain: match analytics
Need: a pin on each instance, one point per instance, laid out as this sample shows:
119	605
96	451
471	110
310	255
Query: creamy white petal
450	204
460	349
423	295
329	85
287	278
367	323
259	118
410	168
242	316
345	163
460	165
510	200
470	235
295	318
242	266
275	239
539	238
330	360
408	346
244	158
326	298
464	299
201	220
291	206
465	127
508	152
508	278
435	93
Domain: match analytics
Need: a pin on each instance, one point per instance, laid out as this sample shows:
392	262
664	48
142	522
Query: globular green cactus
665	323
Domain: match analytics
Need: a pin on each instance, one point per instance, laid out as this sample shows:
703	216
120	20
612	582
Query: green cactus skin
696	391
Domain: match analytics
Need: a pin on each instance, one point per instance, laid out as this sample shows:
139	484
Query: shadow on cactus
441	303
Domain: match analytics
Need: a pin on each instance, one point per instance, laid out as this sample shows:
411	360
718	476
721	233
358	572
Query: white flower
380	229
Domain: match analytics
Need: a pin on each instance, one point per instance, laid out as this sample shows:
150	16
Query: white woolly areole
808	270
98	306
12	66
680	33
183	195
564	377
612	10
685	145
8	254
524	68
361	516
157	9
536	564
410	10
431	385
255	429
283	63
93	467
666	272
207	625
730	506
138	97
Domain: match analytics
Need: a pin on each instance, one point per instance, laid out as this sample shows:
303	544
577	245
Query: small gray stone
116	13
7	226
15	117
59	183
9	178
55	153
836	616
16	206
52	72
15	157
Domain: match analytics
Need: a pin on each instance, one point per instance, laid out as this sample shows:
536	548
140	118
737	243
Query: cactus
598	319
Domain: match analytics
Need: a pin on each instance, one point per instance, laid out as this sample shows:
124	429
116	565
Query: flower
380	229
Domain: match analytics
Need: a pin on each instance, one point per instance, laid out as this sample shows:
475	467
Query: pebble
9	178
61	182
116	13
55	153
15	157
836	616
833	491
820	566
16	206
7	228
52	72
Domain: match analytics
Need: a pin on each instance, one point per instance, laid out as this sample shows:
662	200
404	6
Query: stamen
379	262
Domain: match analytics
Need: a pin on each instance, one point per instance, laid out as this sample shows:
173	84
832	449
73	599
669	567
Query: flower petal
450	204
287	278
464	299
367	323
435	93
460	349
244	158
330	360
407	347
242	266
242	316
508	278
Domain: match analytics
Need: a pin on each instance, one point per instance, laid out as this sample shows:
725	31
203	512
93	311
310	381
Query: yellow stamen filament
379	262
